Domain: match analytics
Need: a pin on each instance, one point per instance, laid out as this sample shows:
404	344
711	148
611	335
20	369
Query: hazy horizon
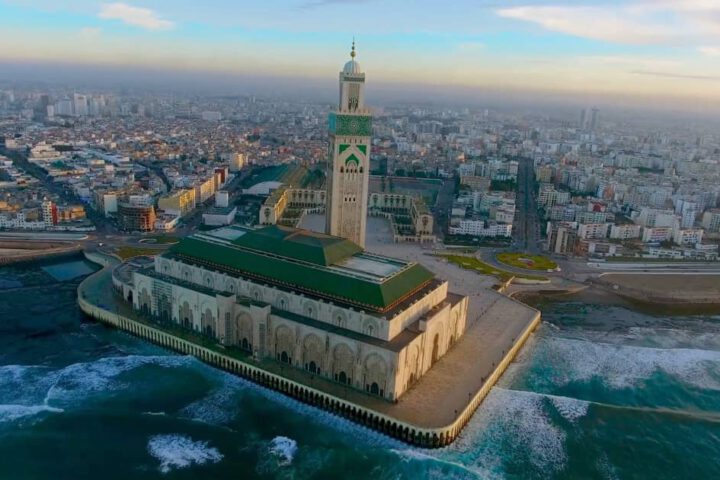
49	75
650	54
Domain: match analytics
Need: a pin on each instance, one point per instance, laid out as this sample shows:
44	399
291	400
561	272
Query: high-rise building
64	107
350	130
80	103
594	118
49	213
237	162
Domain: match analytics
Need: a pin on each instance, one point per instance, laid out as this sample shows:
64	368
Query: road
158	170
20	159
526	234
443	206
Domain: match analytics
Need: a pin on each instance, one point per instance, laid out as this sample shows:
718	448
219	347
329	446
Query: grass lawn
160	239
472	263
165	239
126	252
529	262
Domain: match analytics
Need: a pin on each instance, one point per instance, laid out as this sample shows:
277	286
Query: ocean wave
349	429
221	406
80	380
621	366
696	335
31	389
415	455
519	424
217	408
26	384
178	451
10	413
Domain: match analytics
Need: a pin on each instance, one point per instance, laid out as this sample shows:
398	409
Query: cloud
137	16
712	78
642	22
630	61
710	51
591	22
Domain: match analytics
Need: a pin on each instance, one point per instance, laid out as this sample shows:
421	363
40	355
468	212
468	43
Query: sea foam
284	449
179	451
27	390
516	423
10	413
623	366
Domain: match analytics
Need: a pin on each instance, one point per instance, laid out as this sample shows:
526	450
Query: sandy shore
664	288
598	294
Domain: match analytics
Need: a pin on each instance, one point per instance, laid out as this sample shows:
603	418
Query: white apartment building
688	236
548	196
593	230
711	220
478	228
651	217
625	232
656	234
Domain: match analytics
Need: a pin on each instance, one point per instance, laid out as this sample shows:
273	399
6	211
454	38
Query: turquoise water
600	392
69	269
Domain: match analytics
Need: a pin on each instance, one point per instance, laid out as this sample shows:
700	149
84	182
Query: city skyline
638	49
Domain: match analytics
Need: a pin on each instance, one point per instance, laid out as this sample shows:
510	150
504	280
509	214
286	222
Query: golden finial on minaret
352	52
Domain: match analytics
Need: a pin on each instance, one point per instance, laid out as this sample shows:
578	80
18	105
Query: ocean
599	392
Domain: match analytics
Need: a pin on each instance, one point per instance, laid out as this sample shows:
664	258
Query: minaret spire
349	157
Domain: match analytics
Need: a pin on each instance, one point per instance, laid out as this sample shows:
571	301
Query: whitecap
623	366
284	449
9	413
178	451
221	405
513	423
25	384
415	455
214	409
79	380
571	409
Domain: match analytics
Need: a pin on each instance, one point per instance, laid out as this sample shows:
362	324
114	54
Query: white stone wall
356	363
327	312
410	315
337	357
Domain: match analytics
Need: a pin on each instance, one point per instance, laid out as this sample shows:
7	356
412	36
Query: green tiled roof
313	280
302	245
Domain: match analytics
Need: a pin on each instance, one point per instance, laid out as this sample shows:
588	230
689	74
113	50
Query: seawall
361	414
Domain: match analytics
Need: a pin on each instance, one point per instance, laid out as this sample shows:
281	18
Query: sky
642	50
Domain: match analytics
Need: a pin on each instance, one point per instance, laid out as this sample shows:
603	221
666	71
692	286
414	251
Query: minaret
348	158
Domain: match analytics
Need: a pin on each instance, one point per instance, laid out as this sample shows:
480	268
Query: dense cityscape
141	163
